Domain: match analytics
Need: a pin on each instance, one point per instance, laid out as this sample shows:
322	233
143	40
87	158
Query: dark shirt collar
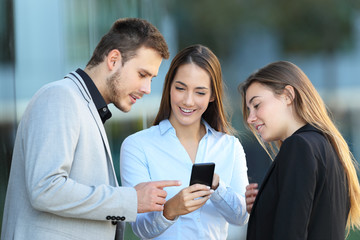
99	101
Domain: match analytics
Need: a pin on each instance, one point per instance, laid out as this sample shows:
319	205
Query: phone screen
202	173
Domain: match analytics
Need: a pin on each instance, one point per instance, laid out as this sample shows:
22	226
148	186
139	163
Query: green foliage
208	22
310	26
307	26
129	234
354	235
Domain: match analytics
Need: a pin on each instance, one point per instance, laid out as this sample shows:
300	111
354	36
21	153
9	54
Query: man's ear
113	58
289	93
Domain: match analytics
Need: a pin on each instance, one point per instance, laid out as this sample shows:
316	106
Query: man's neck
98	77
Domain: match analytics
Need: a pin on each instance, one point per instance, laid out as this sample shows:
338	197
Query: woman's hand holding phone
215	182
203	181
187	200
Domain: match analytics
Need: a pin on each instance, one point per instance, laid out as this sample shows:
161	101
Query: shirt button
104	109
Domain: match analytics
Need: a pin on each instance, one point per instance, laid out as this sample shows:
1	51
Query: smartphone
202	173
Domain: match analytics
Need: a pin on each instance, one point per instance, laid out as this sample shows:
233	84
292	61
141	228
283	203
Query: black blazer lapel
266	178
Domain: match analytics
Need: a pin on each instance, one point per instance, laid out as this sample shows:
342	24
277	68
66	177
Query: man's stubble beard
114	85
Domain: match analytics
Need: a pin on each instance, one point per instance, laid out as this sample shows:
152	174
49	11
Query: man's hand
151	196
250	195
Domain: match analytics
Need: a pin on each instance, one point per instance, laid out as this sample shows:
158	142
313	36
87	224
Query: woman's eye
256	106
201	93
141	75
179	88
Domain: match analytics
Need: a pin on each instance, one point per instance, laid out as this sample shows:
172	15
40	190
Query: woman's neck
192	132
190	136
296	125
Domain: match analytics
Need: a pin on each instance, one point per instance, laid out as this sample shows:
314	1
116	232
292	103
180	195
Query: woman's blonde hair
310	108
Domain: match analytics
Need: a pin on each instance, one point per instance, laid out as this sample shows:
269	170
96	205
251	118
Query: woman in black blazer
311	190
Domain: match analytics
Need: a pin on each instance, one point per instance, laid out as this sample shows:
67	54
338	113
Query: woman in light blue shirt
190	127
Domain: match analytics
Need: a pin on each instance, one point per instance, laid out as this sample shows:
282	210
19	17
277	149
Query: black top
99	101
304	194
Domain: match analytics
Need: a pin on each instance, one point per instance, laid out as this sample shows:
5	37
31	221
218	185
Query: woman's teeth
186	110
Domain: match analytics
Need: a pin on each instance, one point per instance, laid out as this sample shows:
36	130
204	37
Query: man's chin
124	109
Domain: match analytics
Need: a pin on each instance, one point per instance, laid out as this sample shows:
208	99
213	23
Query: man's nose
146	86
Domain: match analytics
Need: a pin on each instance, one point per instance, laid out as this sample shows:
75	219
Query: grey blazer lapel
86	94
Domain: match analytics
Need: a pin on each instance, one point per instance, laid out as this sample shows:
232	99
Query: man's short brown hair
127	35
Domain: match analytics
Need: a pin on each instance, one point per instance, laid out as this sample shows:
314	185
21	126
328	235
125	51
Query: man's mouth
134	98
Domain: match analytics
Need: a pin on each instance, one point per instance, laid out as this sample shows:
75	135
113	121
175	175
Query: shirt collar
208	128
165	126
99	101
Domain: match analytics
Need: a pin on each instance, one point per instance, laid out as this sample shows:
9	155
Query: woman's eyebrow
252	99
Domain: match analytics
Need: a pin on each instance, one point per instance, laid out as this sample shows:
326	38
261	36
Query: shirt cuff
163	222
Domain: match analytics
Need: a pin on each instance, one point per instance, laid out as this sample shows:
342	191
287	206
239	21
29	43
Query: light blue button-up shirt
156	154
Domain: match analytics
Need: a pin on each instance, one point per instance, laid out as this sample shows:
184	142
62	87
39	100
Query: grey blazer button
108	217
113	218
122	218
118	218
114	222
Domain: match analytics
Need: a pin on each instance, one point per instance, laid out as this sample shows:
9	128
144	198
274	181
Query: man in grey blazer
62	182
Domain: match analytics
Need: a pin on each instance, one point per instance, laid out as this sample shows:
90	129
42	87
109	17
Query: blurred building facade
41	41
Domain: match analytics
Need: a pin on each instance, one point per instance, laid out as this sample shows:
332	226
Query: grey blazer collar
86	94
